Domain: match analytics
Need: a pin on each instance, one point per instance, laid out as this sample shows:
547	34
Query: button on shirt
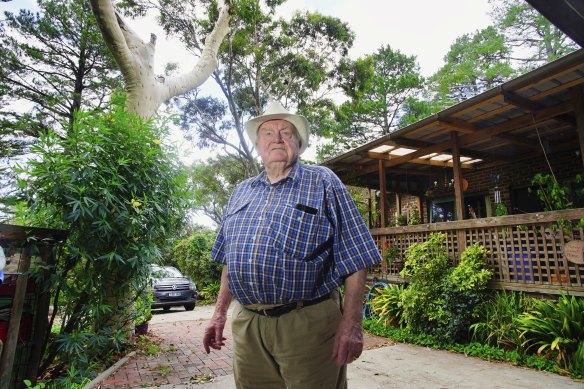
293	240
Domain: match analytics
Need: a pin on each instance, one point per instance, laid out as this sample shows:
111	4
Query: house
455	168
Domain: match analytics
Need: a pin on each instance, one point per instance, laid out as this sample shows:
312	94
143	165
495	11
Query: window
444	210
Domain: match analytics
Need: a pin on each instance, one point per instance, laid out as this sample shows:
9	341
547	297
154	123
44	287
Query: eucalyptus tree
264	57
532	39
144	90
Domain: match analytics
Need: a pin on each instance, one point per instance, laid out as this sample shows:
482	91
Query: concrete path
384	364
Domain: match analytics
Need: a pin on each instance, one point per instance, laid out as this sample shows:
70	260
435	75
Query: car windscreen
166	272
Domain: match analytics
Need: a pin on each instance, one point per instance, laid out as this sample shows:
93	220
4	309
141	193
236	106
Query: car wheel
166	309
189	307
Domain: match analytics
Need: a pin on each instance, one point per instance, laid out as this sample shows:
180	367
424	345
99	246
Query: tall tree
532	39
213	182
52	63
145	91
475	62
292	61
264	57
378	87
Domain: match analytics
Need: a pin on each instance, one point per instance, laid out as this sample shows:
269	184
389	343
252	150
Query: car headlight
192	286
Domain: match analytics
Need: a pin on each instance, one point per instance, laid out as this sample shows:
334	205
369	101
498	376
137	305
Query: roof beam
487	132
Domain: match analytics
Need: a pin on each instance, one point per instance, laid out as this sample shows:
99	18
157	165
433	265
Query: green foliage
496	325
415	216
472	273
392	253
402	220
501	210
475	63
555	196
556	328
462	292
386	305
193	256
379	86
211	291
54	60
143	306
39	385
120	193
427	266
213	182
534	39
440	300
471	349
551	193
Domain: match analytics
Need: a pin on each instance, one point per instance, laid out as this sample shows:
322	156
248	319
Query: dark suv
171	288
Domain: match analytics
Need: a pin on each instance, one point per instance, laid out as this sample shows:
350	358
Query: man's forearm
354	293
224	298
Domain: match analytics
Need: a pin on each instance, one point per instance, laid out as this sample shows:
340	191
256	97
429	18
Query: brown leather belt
282	309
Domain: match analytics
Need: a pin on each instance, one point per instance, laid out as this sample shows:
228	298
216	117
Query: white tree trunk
135	58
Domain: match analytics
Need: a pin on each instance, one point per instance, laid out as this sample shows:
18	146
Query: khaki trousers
290	351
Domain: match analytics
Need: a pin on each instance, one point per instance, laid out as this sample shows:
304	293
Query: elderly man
289	239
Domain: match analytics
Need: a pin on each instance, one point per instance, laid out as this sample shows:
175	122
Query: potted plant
143	311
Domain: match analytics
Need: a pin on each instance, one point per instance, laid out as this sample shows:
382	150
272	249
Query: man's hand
348	342
213	338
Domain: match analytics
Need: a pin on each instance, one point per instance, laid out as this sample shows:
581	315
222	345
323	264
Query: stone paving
181	358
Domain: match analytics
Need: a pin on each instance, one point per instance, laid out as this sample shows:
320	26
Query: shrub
496	325
387	304
193	255
120	192
427	265
557	327
211	291
440	299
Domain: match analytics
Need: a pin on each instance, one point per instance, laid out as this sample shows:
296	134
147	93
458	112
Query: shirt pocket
299	229
234	219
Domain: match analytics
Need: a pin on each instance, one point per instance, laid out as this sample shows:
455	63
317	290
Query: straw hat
275	110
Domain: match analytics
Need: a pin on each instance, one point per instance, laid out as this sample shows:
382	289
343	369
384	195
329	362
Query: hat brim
300	122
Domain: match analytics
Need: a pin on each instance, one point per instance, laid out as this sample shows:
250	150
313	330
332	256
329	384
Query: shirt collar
295	175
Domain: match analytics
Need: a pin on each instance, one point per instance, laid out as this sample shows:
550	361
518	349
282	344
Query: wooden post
382	193
578	99
458	192
7	358
41	319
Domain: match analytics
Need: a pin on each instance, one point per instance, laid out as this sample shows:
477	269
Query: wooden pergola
539	113
529	118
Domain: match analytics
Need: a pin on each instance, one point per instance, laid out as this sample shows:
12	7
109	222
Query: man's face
278	141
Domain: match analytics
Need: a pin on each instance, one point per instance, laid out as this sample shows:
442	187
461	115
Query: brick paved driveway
180	360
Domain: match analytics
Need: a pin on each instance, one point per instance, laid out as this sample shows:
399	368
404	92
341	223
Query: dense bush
427	265
556	329
441	299
496	324
193	256
119	191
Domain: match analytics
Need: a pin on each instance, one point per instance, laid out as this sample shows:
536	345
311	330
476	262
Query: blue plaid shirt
276	240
